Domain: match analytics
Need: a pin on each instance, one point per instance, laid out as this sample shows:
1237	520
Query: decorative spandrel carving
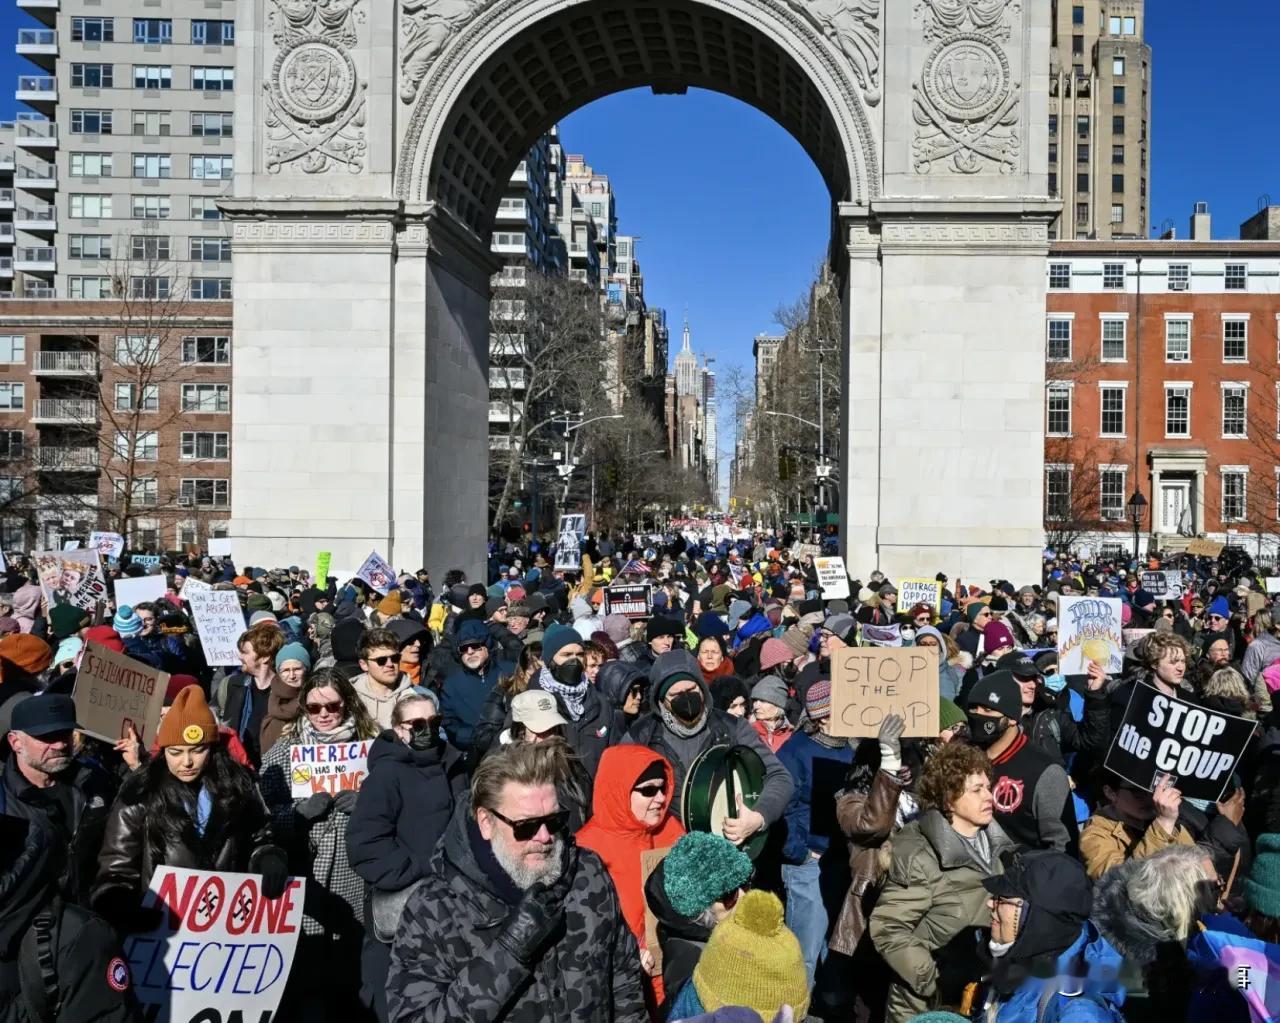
943	17
853	27
315	102
426	26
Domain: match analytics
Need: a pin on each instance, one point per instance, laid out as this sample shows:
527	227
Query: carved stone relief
853	27
315	102
426	26
942	17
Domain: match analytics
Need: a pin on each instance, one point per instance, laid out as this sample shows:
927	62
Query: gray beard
525	877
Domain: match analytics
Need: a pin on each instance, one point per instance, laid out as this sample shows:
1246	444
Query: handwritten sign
132	592
145	560
1089	631
1162	584
109	545
219	623
833	580
71	577
867	684
323	560
329	767
377	573
223	952
806	550
633	600
1205	548
114	691
919	591
190	584
1197	746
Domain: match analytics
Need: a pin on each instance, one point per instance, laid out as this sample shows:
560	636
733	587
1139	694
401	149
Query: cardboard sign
575	524
190	585
328	767
867	684
806	550
109	545
323	560
219	623
833	580
919	591
1199	747
131	592
71	577
222	953
1090	630
1273	583
220	546
377	573
635	600
114	691
1205	548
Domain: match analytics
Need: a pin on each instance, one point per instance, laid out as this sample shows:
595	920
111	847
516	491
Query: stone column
1155	501
1197	526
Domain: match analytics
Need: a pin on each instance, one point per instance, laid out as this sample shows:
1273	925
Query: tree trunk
515	457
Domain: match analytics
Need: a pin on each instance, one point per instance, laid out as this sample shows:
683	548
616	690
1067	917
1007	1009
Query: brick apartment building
103	399
1161	366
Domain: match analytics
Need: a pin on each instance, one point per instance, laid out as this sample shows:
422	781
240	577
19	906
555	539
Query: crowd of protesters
537	837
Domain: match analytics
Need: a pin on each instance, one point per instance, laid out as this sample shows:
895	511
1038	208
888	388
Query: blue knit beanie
293	652
699	869
556	637
126	623
1220	607
1262	887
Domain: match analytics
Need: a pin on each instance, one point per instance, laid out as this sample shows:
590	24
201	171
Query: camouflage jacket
446	963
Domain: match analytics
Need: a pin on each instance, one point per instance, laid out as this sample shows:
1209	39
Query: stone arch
507	72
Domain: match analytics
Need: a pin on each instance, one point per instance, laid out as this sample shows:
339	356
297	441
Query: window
1113	340
90	287
211	125
1053	124
145	445
208	32
1233	484
1082	214
1117	124
91	206
1059	410
1117	66
11	445
1111	500
211	250
152	76
1130	26
1235	340
1117	95
151	165
1082	153
1177	410
1179	276
1236	277
90	246
206	493
150	247
93	30
1058	347
127	395
211	167
91	165
10	489
1234	405
1077	15
212	350
151	122
1117	213
144	494
1112	403
1177	340
11	397
210	288
92	76
1053	182
205	208
1077	45
1057	492
1060	275
206	397
149	287
91	122
206	446
150	207
213	79
1082	182
1117	154
1113	275
13	349
1082	125
137	350
152	30
1117	182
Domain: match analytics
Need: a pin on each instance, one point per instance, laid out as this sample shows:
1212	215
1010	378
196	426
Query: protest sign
109	545
919	591
145	560
71	545
1162	584
219	623
806	550
1199	747
71	577
377	573
1273	584
882	635
575	524
323	560
223	951
833	580
867	684
219	546
114	691
130	592
1089	631
331	767
568	554
633	600
192	585
1205	548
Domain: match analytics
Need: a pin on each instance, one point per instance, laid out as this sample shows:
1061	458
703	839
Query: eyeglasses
636	691
416	724
325	708
524	830
470	648
1216	618
384	660
651	789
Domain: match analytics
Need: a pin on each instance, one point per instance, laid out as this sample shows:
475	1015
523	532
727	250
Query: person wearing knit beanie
391	605
555	639
105	636
126	623
773	653
1262	886
68	650
293	652
699	869
189	721
67	619
257	602
23	654
949	715
617	627
177	683
817	701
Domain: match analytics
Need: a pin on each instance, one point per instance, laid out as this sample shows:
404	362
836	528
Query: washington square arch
365	193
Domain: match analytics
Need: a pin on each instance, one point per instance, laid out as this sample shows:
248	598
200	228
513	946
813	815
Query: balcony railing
6	198
66	459
6	234
67	363
6	267
65	410
37	37
34	133
37	254
36	171
37	289
37	84
36	218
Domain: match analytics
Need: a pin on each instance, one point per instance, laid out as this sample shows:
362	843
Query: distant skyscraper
687	382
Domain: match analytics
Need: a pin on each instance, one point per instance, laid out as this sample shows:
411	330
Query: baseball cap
536	710
46	714
1020	664
998	691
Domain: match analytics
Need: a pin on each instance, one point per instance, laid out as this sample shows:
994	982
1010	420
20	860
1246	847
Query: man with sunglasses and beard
514	923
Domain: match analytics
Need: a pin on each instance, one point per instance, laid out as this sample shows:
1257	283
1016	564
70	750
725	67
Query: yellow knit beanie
752	960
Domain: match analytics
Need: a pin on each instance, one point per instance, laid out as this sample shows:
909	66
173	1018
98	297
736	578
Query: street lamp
1137	507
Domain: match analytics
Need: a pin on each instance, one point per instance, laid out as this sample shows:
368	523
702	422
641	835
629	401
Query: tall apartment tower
1100	119
123	150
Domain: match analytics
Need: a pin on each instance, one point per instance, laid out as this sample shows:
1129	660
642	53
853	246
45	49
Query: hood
581	608
388	749
346	639
615	678
455	847
620	767
668	664
408	629
26	601
307	600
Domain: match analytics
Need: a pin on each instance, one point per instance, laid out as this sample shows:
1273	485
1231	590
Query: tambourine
712	786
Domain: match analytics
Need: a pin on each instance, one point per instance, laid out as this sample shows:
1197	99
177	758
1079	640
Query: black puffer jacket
681	939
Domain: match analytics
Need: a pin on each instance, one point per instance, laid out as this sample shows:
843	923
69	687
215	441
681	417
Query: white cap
536	710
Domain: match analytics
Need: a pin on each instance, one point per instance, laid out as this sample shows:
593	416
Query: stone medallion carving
853	27
315	102
966	77
426	26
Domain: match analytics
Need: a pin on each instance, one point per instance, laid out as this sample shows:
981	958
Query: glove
345	801
315	807
125	911
890	739
275	874
536	921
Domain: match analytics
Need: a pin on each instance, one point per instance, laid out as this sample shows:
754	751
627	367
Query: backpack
37	966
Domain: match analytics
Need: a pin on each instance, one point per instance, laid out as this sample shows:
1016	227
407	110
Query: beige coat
1106	842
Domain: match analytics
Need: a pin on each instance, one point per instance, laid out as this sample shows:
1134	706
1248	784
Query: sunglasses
384	660
650	789
469	647
417	724
1216	618
525	830
325	708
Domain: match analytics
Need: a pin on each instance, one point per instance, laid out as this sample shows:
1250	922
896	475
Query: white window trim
1124	472
1176	385
1061	385
1104	318
1235	318
1223	387
1189	320
1049	467
1120	385
1223	470
1059	317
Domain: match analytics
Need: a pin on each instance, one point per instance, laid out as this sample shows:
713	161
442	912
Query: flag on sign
637	567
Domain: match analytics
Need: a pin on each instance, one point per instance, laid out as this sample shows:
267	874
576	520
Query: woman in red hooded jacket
633	791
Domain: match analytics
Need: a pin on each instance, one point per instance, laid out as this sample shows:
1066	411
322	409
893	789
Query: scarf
573	697
679	727
201	810
413	671
308	735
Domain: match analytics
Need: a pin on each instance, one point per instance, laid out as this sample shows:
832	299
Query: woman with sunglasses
634	789
314	829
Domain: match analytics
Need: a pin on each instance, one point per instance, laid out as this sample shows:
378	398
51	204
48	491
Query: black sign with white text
634	601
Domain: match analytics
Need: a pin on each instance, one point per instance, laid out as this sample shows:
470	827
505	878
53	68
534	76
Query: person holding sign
193	806
1132	823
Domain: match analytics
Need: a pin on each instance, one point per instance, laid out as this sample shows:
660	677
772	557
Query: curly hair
1160	643
947	772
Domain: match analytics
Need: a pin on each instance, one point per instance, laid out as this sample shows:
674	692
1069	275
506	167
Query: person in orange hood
634	788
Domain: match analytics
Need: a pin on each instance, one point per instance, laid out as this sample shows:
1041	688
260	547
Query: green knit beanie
937	1016
949	714
699	869
1262	888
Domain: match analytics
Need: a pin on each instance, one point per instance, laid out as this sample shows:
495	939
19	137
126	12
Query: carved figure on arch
426	26
853	26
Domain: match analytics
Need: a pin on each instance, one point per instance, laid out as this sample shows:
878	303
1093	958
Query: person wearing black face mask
414	782
1029	787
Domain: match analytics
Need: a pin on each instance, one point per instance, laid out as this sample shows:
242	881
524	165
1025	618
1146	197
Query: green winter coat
932	894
